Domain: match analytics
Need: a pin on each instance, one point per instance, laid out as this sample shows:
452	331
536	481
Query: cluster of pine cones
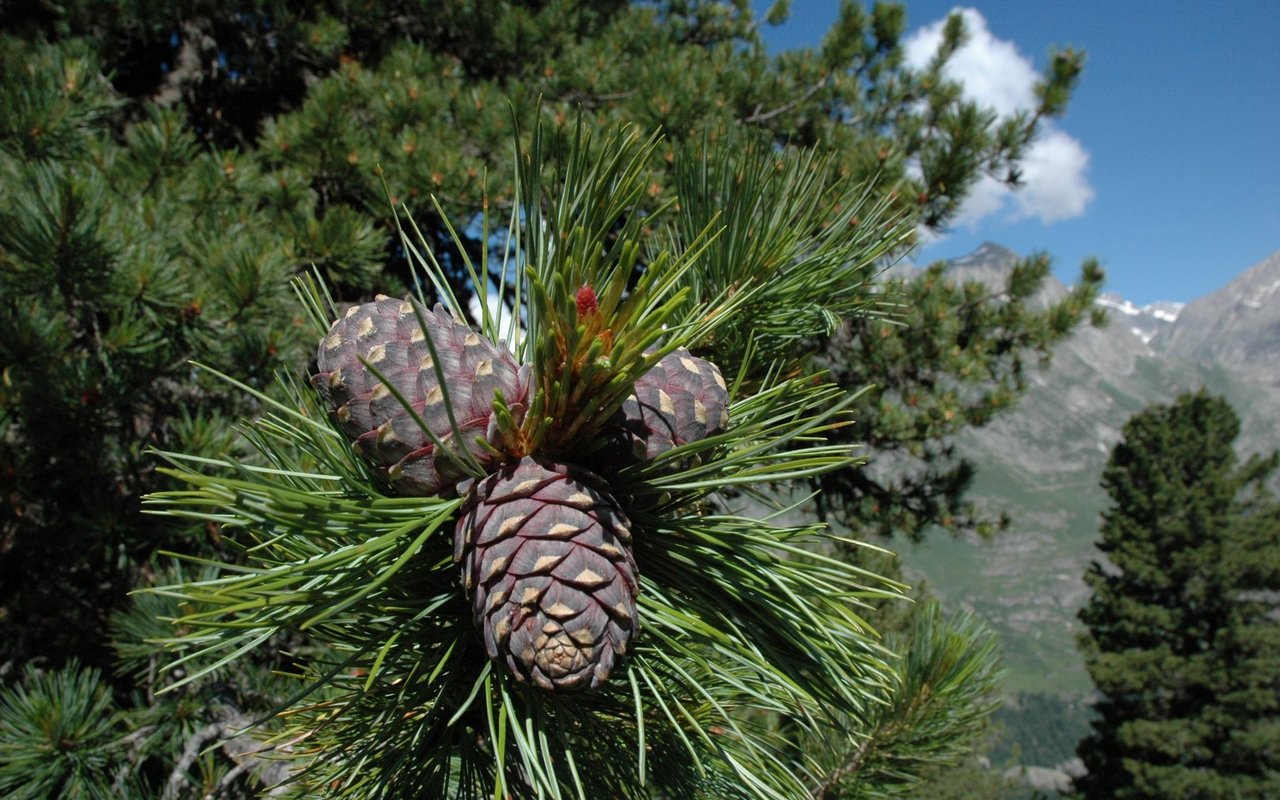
545	548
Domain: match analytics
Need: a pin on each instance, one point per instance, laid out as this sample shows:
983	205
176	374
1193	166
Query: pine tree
1181	641
953	358
121	259
201	191
166	170
607	618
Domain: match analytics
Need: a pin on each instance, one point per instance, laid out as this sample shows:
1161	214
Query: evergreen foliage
164	171
60	736
951	357
1182	638
123	258
742	620
947	683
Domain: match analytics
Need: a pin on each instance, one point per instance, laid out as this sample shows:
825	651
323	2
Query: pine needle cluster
743	620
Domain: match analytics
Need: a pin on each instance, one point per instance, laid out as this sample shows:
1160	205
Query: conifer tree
160	114
121	259
1181	640
616	608
951	358
166	170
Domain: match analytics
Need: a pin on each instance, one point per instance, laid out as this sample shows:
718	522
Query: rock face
1237	326
1043	461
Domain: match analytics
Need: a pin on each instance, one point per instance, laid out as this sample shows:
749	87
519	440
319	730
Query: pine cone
682	399
388	335
546	561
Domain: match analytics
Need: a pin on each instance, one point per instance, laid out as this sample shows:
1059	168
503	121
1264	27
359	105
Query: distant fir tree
1183	638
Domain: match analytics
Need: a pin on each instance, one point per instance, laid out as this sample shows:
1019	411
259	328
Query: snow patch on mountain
1145	321
1163	310
1117	303
1261	296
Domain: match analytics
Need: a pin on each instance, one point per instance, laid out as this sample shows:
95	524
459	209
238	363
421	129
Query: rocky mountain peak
990	265
987	254
1237	326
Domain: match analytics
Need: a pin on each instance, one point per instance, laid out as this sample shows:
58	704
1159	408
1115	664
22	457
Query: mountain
1238	325
1043	461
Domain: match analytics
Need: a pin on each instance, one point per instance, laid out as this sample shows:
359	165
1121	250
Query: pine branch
846	769
931	716
758	115
191	750
404	694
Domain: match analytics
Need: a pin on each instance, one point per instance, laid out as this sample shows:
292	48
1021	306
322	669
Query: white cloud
1054	176
992	71
995	74
986	197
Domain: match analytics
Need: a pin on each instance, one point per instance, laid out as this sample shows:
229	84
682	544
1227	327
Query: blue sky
1167	164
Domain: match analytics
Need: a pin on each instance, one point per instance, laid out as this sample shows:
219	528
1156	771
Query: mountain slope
1238	325
1043	461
